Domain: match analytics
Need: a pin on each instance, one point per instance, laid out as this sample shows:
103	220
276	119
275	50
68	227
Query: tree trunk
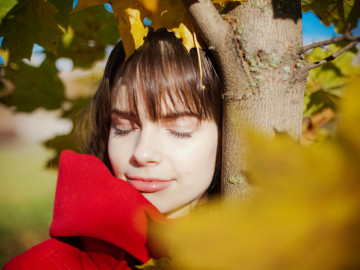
265	89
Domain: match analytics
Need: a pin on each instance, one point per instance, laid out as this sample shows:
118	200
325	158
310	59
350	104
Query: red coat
99	222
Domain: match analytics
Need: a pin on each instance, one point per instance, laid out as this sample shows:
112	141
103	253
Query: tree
258	45
257	40
264	72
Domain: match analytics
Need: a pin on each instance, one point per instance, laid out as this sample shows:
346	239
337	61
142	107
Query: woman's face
170	161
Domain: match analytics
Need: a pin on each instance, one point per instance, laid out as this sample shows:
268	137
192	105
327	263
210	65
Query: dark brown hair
162	72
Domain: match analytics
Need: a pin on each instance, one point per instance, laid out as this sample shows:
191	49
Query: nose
147	151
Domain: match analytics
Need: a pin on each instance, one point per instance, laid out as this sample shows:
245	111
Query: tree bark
264	86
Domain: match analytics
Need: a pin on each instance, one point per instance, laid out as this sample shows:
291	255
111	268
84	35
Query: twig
331	57
198	53
347	36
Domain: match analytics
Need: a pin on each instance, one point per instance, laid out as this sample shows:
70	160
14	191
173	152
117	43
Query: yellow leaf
68	36
170	14
150	5
152	264
129	16
184	33
5	55
174	16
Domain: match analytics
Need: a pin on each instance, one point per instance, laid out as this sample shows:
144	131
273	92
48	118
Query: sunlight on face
170	161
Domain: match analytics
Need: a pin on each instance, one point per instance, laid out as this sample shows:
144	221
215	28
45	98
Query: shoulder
50	254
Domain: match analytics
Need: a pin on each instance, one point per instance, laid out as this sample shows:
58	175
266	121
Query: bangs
164	78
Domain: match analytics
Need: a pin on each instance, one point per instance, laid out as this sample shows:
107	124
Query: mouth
148	185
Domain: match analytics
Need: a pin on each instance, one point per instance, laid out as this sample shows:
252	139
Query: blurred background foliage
52	60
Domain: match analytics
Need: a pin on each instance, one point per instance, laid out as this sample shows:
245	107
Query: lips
148	185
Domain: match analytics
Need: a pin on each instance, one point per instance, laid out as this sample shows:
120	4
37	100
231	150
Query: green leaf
83	4
332	76
64	8
69	141
77	106
93	28
319	100
326	84
60	143
5	7
30	22
34	86
344	14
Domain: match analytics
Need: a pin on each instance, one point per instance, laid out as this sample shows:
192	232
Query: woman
155	124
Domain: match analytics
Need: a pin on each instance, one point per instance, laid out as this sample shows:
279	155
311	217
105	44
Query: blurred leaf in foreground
304	214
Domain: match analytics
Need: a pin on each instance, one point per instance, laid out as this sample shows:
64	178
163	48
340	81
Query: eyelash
121	132
181	135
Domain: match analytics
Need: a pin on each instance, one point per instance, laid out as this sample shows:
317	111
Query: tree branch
219	37
347	36
332	57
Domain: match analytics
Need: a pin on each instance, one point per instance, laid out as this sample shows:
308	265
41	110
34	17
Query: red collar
91	202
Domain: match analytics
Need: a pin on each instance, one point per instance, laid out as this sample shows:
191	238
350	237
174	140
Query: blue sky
314	30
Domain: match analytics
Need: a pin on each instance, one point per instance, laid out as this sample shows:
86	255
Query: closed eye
123	126
180	135
121	132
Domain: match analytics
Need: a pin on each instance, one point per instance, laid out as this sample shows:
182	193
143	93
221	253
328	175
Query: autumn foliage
304	213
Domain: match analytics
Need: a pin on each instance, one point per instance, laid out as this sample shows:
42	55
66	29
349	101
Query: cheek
199	161
119	154
207	149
